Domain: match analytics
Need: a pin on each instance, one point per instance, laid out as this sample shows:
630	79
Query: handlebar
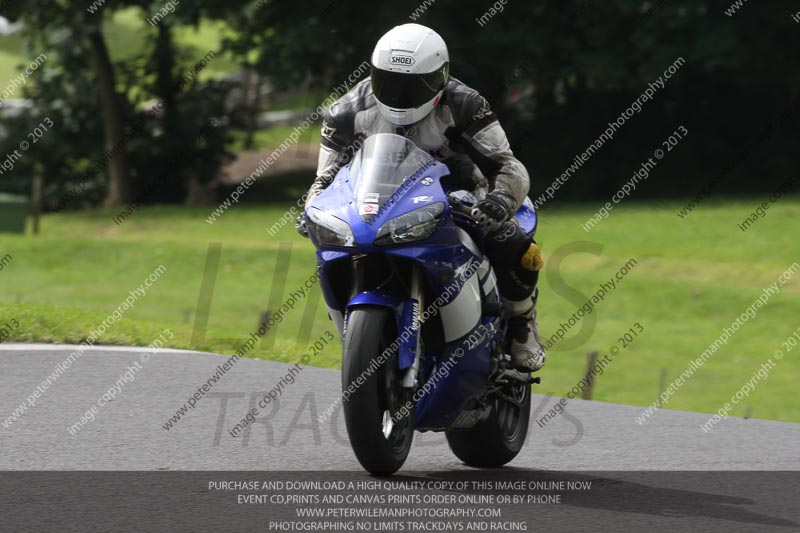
465	211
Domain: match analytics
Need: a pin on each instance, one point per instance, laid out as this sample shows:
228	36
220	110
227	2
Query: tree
45	19
119	187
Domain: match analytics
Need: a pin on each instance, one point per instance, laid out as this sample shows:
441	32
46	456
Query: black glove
300	225
493	210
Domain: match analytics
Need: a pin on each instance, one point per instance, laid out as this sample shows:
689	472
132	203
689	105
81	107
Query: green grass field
693	277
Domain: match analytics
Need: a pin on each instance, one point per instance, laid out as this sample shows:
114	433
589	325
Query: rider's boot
527	352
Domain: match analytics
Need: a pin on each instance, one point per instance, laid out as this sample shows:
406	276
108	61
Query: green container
13	213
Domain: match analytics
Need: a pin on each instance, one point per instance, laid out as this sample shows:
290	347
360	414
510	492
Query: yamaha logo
401	60
415	315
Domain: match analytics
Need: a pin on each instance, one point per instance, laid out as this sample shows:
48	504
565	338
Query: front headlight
415	225
328	229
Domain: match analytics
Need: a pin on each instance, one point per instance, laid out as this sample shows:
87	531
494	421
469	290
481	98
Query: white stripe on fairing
483	269
467	241
489	283
462	314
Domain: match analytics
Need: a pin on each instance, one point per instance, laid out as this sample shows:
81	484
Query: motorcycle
417	306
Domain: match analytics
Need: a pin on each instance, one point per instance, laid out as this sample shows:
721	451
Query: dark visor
400	90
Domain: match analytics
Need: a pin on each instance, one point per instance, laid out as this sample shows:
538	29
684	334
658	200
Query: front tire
495	441
380	445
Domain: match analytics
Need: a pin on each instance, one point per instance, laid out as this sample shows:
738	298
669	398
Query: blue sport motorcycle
417	305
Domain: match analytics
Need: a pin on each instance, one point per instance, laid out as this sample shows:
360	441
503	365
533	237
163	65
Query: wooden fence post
36	193
589	378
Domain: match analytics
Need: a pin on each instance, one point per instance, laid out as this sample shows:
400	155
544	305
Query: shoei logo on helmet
401	60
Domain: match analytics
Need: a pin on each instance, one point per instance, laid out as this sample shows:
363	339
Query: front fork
407	311
416	294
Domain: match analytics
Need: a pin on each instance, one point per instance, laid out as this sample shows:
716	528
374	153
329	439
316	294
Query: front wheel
498	439
379	414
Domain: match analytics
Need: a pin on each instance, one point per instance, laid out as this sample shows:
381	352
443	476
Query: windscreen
380	168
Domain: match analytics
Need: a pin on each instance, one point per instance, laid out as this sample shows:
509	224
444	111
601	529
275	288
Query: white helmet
410	66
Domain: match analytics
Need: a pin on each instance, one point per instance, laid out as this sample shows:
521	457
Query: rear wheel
498	439
380	433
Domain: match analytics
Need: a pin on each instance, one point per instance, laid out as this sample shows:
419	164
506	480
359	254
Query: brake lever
458	207
465	211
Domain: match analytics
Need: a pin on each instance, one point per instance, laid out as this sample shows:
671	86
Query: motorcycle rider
410	93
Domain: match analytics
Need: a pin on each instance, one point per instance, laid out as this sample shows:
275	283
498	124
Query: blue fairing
439	257
404	311
338	201
526	216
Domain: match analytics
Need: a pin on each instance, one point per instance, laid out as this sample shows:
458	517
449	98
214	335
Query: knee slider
532	258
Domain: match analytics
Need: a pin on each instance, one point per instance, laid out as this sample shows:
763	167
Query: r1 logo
402	60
